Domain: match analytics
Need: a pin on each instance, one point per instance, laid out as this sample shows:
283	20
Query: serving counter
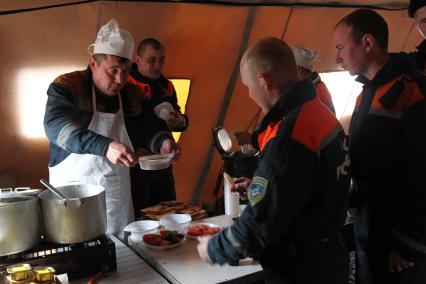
137	263
182	264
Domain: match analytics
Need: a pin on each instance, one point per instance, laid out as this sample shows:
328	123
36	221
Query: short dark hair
100	56
414	6
365	21
149	42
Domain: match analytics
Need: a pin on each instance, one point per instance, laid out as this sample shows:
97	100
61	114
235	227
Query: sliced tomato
194	232
152	239
213	230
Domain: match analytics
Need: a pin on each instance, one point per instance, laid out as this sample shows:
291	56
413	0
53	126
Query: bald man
297	197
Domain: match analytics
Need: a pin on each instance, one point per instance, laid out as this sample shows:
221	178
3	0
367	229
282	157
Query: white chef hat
304	56
113	40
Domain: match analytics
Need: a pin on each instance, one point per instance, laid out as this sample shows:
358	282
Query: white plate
164	247
207	224
155	162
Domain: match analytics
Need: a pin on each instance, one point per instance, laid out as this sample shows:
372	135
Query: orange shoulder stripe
313	124
145	88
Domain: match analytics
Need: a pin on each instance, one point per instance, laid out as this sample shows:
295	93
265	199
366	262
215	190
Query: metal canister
43	275
19	272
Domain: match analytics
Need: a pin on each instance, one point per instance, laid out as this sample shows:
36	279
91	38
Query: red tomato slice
152	239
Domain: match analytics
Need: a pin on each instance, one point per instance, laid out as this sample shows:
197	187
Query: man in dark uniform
297	197
388	153
417	10
151	187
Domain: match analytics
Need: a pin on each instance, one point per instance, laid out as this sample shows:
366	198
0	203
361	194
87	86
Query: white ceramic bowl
155	162
175	222
139	228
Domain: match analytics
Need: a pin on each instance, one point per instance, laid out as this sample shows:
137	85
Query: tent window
31	87
182	91
344	91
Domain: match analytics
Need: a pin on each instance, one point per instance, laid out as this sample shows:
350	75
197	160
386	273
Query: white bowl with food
175	222
156	162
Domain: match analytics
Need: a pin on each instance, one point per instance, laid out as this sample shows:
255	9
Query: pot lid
19	191
8	199
222	140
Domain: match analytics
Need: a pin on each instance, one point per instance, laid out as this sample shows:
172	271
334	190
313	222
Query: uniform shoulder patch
257	190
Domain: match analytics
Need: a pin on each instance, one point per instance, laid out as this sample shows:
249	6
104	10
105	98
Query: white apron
98	170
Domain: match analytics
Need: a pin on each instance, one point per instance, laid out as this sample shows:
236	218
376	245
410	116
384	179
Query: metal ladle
53	189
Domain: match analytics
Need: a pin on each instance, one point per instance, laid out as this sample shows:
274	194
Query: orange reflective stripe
268	134
410	95
311	131
146	88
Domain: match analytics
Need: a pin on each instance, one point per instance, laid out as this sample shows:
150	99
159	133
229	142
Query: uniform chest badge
257	190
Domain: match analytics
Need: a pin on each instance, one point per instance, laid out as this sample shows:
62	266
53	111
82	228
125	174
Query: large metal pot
78	218
19	223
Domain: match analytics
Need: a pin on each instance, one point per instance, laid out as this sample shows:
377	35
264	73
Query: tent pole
225	104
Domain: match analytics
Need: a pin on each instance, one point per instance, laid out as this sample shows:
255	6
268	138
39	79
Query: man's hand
177	121
202	248
397	263
240	185
170	146
121	155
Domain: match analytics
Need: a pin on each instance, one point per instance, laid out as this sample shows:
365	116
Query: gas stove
77	260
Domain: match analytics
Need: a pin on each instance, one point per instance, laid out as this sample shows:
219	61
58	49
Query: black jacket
388	159
298	193
157	91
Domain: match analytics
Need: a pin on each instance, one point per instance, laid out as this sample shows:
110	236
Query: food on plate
202	230
164	238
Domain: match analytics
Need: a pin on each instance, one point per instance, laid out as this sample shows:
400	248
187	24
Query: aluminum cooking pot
19	223
80	217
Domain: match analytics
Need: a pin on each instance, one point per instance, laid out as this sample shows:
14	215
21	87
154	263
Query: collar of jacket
315	78
88	80
293	98
398	63
144	79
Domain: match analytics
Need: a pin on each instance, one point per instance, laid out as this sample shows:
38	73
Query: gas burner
77	260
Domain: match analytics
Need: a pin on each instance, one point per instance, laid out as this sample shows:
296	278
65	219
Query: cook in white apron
98	170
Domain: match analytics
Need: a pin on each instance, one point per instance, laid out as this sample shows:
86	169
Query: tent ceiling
16	5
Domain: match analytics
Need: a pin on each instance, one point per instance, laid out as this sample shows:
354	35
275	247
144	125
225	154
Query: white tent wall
203	43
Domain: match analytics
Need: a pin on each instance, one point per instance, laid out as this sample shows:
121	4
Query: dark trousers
329	267
151	187
372	253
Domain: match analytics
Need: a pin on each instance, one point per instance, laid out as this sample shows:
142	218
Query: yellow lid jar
43	275
19	272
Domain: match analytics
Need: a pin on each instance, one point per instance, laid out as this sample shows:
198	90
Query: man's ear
92	63
368	41
264	80
138	59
